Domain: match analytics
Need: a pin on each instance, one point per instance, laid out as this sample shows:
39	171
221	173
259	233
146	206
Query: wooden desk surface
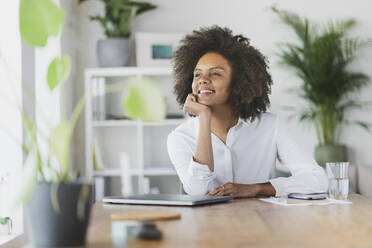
249	223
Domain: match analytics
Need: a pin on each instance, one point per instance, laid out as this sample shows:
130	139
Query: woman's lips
206	92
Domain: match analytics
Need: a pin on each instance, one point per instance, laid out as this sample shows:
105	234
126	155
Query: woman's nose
203	79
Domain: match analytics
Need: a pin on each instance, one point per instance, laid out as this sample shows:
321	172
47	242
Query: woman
231	146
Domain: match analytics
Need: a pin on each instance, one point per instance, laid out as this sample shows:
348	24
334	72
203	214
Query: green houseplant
58	202
321	60
116	22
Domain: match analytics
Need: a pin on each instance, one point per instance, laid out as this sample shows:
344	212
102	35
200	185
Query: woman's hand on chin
236	190
192	106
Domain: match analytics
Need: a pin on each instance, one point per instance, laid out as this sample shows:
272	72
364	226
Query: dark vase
49	228
330	153
113	52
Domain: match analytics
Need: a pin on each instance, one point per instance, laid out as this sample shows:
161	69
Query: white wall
255	20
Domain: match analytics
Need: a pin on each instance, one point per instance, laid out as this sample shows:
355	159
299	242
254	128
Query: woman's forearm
204	152
238	190
265	189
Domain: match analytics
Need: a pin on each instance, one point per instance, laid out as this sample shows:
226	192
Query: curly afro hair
251	81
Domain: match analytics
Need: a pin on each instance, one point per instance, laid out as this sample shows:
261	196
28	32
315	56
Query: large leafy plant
321	60
39	20
119	15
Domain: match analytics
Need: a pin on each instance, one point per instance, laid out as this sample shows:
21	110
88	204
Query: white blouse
248	157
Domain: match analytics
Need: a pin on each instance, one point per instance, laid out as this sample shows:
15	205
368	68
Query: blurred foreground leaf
144	100
29	178
60	144
39	19
58	71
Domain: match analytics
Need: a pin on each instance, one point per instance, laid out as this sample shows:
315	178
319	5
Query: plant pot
330	153
49	228
113	52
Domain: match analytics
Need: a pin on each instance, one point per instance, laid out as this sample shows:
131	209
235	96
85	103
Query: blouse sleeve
197	179
307	176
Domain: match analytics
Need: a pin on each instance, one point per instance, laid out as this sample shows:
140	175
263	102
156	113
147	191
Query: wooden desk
250	223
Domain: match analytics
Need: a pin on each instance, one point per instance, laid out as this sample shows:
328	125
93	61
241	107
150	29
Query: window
10	117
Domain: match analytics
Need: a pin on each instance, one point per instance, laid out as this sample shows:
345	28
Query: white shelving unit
126	123
140	143
146	172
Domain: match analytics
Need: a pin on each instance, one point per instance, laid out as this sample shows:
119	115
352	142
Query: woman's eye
196	75
215	74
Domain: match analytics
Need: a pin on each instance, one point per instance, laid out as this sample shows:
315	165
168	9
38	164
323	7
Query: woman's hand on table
237	190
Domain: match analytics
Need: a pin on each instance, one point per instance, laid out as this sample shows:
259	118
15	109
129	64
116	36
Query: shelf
127	123
129	71
143	138
107	172
146	172
156	172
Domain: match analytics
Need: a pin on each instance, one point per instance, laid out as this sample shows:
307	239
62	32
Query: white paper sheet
293	202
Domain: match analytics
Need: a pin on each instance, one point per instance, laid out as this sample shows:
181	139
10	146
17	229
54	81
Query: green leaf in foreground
60	143
39	19
29	178
144	100
58	71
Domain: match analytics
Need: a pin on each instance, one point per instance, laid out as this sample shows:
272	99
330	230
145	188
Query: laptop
167	200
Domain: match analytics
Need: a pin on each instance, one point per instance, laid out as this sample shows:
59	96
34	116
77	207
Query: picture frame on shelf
156	49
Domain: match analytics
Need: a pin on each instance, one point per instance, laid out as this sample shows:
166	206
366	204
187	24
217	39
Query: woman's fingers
191	97
227	189
216	191
222	190
192	106
220	193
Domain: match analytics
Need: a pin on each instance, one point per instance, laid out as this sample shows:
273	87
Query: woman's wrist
248	190
205	122
265	189
205	115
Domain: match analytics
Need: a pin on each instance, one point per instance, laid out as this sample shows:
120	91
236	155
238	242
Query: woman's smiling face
212	79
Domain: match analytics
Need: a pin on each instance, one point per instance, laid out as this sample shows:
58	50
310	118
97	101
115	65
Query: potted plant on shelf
114	51
322	61
57	202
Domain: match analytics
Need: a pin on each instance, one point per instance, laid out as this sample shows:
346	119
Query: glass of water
338	180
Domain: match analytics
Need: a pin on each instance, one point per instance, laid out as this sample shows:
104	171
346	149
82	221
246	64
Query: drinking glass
338	180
